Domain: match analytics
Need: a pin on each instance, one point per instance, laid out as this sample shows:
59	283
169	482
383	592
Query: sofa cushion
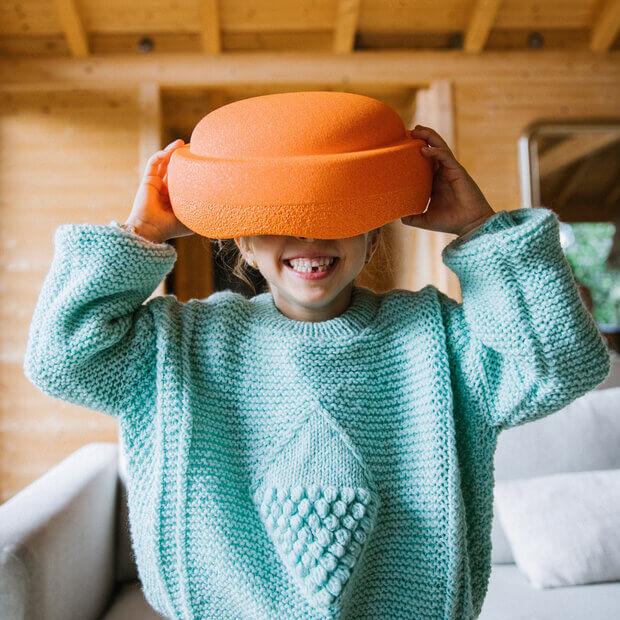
510	596
564	529
57	539
583	436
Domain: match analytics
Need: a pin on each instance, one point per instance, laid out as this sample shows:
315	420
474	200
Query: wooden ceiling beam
72	27
347	18
388	69
210	32
568	185
606	27
573	149
480	25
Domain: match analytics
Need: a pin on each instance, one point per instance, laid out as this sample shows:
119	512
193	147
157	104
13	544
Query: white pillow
564	529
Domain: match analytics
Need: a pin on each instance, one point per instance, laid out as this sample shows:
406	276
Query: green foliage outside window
587	256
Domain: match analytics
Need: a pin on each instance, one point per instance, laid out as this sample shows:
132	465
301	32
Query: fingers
440	156
153	163
154	180
163	163
430	135
438	150
419	220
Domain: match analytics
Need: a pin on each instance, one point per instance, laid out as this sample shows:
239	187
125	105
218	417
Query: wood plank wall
72	156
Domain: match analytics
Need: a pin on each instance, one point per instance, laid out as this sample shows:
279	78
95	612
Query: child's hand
457	204
152	213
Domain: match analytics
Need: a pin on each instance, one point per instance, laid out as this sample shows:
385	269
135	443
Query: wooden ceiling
578	170
81	28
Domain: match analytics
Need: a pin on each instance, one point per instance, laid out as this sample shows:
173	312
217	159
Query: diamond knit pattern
319	534
319	503
330	470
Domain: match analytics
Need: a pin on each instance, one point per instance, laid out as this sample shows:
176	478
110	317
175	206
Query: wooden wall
74	156
68	156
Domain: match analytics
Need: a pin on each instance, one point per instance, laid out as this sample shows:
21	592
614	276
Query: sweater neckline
352	322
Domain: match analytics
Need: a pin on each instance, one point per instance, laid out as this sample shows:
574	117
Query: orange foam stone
320	164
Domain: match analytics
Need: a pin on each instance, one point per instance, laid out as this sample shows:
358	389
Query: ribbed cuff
498	221
114	253
501	233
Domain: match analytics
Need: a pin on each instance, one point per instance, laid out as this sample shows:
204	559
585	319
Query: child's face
300	297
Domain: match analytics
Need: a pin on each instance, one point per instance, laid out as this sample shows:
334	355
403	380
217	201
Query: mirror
573	168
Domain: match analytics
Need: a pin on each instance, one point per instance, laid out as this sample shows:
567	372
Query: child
319	450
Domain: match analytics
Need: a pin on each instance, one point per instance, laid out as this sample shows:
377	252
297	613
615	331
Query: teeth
305	264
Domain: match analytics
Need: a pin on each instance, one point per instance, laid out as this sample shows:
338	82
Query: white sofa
584	436
65	551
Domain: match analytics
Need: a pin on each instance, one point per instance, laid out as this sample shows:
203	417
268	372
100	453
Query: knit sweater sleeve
522	342
92	340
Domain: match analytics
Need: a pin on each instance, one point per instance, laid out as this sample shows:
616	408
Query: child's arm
91	341
522	341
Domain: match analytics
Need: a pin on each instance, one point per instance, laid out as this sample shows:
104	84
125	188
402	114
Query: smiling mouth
312	268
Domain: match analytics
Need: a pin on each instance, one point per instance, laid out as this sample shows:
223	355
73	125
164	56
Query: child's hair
231	256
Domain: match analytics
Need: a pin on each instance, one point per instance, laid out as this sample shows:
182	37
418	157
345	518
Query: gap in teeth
308	265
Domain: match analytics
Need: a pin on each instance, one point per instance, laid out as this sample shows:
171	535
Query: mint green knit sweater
282	469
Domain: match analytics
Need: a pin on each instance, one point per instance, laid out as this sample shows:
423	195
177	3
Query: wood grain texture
70	136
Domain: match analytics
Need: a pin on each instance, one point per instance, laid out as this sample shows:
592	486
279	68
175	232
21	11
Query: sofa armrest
57	539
